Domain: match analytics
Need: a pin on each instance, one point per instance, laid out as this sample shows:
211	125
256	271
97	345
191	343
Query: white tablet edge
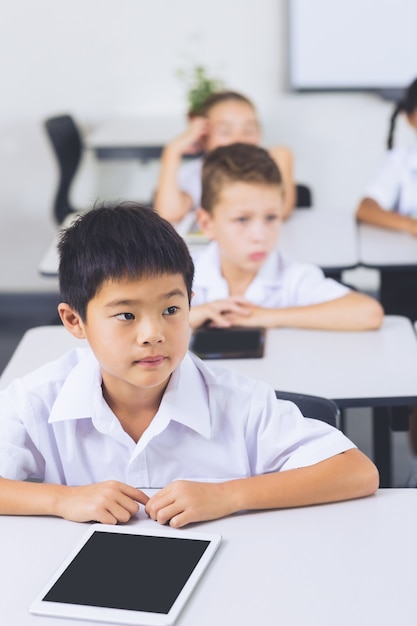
120	616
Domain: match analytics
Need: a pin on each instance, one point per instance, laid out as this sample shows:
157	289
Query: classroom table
344	563
140	138
355	368
382	248
326	238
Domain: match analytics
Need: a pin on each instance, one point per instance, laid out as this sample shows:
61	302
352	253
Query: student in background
226	117
390	201
241	277
136	410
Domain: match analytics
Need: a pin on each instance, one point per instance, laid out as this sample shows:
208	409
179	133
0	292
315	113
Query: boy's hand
183	502
254	316
217	312
108	502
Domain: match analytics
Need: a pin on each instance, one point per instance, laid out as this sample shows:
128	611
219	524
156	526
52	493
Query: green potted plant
199	87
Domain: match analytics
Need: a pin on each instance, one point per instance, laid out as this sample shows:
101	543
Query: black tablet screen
124	571
228	343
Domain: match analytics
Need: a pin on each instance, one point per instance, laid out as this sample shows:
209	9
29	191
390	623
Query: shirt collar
184	400
207	270
81	392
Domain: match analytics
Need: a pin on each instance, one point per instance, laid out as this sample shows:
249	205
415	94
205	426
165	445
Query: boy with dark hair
136	410
242	278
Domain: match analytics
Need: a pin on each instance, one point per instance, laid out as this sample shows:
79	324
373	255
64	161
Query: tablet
127	575
228	343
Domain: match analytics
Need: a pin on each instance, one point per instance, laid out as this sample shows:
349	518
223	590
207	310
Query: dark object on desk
317	407
228	343
397	292
95	582
303	197
67	144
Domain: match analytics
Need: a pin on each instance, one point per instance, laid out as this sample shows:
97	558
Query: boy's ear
205	222
71	320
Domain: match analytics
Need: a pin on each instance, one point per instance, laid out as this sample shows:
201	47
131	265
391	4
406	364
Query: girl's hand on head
193	139
108	502
183	502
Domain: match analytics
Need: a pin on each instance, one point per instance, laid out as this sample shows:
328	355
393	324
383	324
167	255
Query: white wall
106	58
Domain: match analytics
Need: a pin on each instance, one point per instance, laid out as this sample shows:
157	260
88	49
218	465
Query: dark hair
115	241
237	162
222	96
408	104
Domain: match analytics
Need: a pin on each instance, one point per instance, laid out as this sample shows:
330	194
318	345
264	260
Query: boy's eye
272	218
242	219
171	310
125	316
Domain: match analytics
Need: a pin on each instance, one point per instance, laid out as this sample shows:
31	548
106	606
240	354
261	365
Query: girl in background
226	117
390	201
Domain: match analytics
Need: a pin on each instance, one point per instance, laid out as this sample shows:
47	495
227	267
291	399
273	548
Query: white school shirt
279	283
189	180
212	425
395	184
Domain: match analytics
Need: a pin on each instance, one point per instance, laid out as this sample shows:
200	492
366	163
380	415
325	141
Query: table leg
382	444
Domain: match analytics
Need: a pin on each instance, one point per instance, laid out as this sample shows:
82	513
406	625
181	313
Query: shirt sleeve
386	184
306	284
19	457
279	437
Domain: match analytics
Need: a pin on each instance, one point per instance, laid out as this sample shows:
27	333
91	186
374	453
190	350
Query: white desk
366	368
325	238
370	368
382	248
346	563
138	138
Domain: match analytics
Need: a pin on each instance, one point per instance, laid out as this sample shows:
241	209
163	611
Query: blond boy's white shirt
212	425
394	186
281	282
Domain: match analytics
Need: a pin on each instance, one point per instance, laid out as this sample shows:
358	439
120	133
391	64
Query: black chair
67	144
317	407
303	197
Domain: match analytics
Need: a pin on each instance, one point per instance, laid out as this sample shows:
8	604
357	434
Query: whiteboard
352	44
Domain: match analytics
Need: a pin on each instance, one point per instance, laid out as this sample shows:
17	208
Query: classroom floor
32	302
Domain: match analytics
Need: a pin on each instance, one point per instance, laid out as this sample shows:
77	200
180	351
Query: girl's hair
407	104
223	96
116	241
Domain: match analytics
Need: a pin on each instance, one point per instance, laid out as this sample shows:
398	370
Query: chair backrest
67	144
317	407
304	197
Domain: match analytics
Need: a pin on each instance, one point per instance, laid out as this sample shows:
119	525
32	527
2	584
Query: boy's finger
141	497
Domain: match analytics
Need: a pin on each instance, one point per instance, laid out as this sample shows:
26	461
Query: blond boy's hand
183	502
217	312
253	316
107	502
